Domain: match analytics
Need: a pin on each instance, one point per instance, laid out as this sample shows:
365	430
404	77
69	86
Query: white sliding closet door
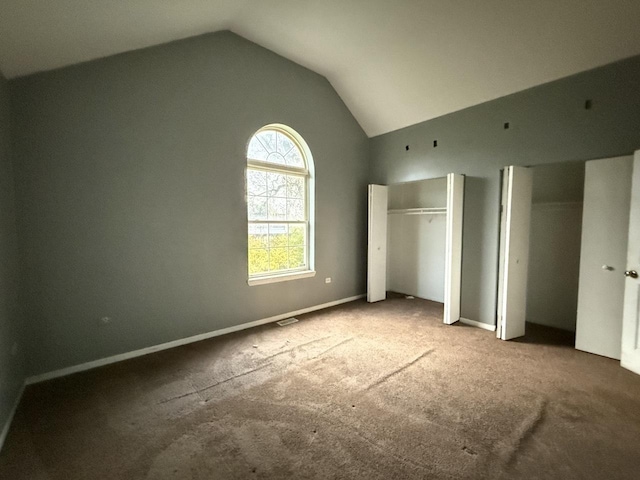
514	252
377	244
453	254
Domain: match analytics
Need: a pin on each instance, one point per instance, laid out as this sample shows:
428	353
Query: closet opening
415	241
563	252
540	244
554	247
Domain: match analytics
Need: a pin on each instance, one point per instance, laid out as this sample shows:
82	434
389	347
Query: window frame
307	172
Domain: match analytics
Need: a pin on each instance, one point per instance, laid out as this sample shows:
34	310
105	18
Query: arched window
279	187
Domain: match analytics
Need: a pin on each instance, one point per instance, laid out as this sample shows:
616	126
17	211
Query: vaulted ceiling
394	62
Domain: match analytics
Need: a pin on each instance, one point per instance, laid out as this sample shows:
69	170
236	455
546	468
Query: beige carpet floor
360	391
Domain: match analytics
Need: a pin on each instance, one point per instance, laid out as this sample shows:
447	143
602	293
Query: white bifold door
631	316
453	248
515	219
377	244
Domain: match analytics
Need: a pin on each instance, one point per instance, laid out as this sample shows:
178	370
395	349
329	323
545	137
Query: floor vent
287	321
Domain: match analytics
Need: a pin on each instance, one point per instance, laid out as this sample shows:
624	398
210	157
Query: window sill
285	277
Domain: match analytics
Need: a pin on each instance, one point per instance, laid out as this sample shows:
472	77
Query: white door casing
514	252
453	252
603	255
377	244
631	311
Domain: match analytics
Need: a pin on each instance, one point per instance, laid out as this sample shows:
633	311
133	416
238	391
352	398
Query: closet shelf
418	211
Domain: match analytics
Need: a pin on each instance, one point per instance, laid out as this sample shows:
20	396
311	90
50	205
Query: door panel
605	221
377	244
453	253
631	310
504	180
514	252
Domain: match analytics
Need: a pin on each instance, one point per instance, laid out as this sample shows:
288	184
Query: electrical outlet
14	349
327	280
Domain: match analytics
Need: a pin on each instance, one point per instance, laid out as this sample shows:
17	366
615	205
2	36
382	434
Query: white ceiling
394	62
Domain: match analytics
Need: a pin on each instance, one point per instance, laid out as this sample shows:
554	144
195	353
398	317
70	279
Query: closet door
453	253
514	252
377	244
603	255
631	320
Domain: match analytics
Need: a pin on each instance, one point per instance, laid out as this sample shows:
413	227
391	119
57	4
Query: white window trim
282	277
309	271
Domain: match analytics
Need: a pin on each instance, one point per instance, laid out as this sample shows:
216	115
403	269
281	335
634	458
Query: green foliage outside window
277	251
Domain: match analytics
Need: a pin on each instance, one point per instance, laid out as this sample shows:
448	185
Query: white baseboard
475	323
5	428
183	341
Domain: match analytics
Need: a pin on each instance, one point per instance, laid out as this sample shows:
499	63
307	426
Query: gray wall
130	184
558	182
548	124
554	246
11	345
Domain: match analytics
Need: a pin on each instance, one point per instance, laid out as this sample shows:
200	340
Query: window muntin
278	210
276	147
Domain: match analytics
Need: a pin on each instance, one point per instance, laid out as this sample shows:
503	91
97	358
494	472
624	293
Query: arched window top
276	145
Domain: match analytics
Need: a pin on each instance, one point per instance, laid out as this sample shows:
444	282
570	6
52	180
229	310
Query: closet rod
418	211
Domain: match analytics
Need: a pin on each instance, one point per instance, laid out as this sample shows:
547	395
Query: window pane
256	182
257	208
276	184
268	140
258	236
278	235
258	261
278	258
295	186
294	158
256	151
277	208
276	158
295	209
297	235
284	144
296	257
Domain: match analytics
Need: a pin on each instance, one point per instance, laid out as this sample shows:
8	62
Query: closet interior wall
416	238
554	249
